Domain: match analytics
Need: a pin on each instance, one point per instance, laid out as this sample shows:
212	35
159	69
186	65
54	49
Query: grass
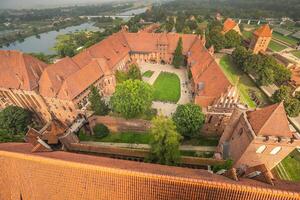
245	83
144	138
247	34
296	53
286	39
148	73
197	154
289	168
167	87
124	137
274	46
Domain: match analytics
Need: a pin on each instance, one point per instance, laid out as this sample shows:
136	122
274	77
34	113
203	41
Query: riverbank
20	36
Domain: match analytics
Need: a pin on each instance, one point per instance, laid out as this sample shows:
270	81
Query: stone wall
116	124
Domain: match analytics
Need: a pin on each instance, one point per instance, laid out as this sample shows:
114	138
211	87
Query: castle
61	89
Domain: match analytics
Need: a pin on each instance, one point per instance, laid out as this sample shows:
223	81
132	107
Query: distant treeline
238	8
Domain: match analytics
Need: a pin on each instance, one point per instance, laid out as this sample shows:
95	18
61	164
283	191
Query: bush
100	130
227	165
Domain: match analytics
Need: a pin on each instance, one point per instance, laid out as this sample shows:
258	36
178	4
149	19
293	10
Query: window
261	149
275	150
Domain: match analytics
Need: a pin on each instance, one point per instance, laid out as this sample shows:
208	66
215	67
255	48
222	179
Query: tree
282	94
178	59
14	120
132	98
215	38
97	104
292	107
239	56
165	141
188	119
232	39
134	72
265	76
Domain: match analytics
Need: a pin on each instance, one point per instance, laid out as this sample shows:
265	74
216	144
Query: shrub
100	130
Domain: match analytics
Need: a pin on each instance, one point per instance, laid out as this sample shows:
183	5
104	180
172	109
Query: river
46	42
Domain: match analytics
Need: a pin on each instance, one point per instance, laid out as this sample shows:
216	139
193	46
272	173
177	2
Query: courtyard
171	86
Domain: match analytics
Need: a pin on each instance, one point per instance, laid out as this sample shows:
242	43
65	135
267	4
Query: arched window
275	150
261	149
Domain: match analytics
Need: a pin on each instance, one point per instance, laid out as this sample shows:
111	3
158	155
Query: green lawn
197	154
247	34
289	168
274	46
286	39
148	73
167	87
296	53
124	137
245	83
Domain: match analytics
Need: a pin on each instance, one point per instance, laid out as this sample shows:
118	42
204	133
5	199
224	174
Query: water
46	42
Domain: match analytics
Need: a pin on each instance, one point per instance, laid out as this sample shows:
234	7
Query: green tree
282	94
97	104
178	59
134	72
165	141
215	38
292	107
232	39
121	76
265	76
132	98
189	119
14	120
239	56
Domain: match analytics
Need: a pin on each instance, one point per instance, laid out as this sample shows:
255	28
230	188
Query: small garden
296	53
276	47
286	39
167	87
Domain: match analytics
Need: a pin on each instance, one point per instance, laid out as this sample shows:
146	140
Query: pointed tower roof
263	31
270	121
229	24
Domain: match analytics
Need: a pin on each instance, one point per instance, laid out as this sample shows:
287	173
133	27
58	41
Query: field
286	39
167	87
245	83
247	34
148	73
296	53
289	168
274	46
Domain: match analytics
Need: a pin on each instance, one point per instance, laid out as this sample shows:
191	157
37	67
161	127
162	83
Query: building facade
258	137
61	89
261	39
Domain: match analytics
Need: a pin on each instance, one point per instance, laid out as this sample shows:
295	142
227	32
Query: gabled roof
19	70
270	121
229	24
206	72
263	31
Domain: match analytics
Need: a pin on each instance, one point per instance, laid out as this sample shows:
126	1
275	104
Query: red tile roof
270	121
205	71
19	70
121	167
263	31
229	24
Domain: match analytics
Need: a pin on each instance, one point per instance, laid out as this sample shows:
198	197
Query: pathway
146	146
186	97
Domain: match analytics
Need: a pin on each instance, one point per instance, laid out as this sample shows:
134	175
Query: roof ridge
278	104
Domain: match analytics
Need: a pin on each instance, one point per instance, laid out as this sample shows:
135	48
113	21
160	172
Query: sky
20	4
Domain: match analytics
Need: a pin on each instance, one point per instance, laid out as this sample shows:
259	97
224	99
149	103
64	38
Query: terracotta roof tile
19	70
229	24
270	121
263	31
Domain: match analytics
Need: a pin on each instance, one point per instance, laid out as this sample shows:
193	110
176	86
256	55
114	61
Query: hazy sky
19	4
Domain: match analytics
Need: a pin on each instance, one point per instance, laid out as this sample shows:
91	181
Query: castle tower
261	39
259	137
229	25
